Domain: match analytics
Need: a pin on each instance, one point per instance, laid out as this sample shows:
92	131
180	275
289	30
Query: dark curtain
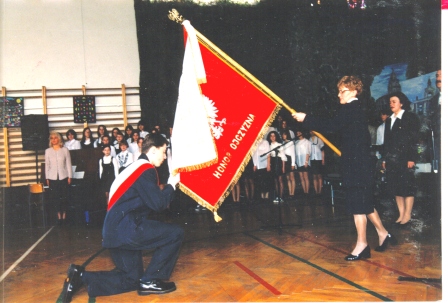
297	50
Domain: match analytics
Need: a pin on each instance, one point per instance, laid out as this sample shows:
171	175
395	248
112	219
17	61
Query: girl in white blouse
101	131
141	128
317	162
276	164
132	141
71	142
303	152
87	139
124	158
290	164
108	170
260	159
137	153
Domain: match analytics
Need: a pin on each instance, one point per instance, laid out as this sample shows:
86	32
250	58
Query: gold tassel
217	218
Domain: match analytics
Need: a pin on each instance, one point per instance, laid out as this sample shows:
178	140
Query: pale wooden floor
244	259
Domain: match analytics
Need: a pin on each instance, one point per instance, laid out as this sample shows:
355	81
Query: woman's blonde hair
54	133
352	83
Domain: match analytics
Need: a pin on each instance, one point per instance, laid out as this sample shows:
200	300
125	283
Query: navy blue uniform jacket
350	121
139	198
401	141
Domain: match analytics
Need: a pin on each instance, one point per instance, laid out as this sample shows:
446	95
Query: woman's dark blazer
351	122
400	142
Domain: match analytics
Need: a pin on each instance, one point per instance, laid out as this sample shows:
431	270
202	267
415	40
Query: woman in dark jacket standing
357	167
400	149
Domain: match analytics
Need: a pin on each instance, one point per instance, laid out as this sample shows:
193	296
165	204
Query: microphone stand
280	224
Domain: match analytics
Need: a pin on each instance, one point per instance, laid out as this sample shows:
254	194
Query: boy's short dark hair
153	139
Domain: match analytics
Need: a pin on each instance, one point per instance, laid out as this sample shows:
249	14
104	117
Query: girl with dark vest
108	170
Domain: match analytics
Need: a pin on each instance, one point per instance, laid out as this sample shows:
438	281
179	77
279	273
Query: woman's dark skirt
248	172
359	200
316	167
400	180
58	194
106	182
263	180
303	168
288	164
276	166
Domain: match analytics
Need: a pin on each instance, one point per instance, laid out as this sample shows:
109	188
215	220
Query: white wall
65	44
68	43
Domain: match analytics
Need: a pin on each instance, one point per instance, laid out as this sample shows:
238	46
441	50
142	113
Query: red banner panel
243	111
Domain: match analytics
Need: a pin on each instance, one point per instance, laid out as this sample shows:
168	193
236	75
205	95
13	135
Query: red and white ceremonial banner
239	109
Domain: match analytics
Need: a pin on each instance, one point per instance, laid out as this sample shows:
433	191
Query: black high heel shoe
389	238
364	254
404	225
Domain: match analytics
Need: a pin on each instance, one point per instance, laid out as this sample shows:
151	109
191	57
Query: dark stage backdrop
297	50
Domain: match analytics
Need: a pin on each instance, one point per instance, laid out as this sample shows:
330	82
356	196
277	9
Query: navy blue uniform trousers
164	238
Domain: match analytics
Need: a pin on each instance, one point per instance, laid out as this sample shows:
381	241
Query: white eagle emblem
212	113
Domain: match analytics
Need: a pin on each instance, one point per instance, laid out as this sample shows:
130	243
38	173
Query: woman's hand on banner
299	116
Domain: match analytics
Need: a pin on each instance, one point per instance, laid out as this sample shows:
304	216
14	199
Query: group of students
278	156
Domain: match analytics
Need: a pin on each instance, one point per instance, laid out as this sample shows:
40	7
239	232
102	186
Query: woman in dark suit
400	149
356	164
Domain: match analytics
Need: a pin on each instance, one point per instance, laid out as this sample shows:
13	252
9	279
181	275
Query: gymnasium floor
260	252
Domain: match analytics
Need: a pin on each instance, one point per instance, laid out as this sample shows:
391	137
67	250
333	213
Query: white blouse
259	161
316	145
97	142
72	144
303	148
289	149
125	158
133	147
143	134
281	151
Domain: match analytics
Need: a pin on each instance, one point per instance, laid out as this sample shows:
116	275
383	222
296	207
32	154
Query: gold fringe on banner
195	167
199	166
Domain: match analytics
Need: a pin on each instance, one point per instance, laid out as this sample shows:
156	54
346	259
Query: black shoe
72	283
404	225
155	286
364	254
389	238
